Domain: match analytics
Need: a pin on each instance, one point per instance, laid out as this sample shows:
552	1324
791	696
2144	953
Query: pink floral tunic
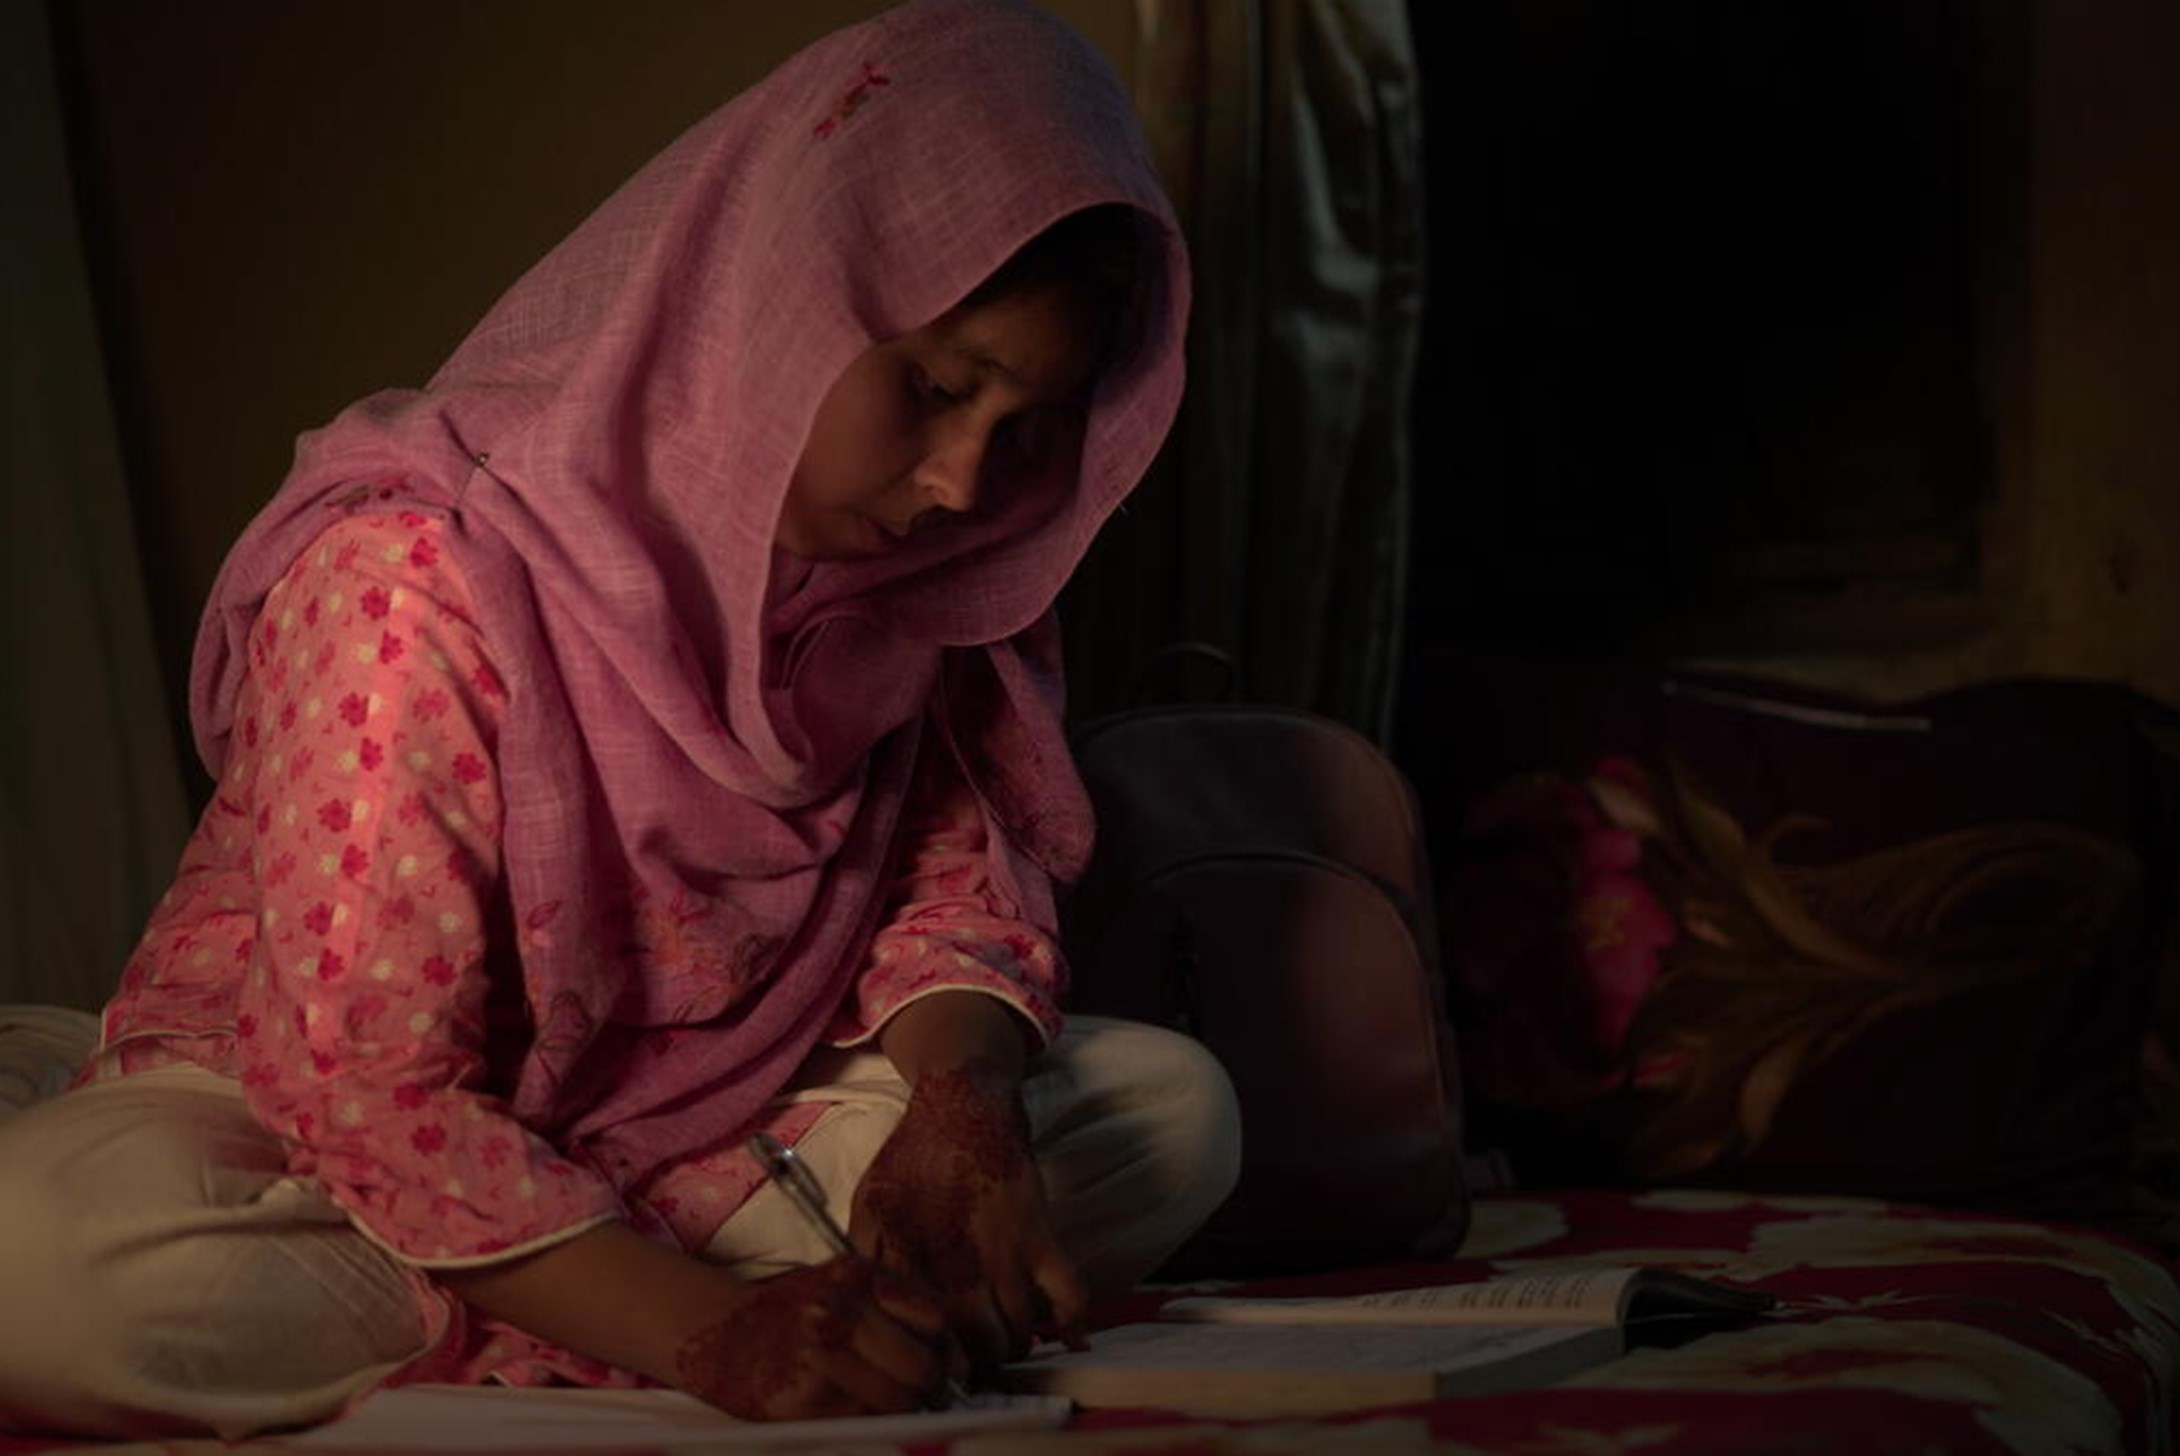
327	938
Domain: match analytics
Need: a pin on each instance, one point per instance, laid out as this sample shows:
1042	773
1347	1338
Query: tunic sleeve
365	738
948	925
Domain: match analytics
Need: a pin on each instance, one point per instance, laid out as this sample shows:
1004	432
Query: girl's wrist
609	1293
957	1030
979	1101
702	1302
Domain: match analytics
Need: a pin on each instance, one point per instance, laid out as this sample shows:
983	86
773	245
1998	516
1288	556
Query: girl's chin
846	538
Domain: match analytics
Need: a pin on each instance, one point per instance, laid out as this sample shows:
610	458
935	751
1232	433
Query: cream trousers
160	1272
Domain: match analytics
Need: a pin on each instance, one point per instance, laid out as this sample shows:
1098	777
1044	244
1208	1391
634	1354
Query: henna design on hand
760	1361
964	1138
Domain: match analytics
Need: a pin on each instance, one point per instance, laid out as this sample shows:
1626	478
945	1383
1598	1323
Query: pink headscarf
698	725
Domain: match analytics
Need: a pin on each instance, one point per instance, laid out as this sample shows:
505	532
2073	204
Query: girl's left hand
953	1200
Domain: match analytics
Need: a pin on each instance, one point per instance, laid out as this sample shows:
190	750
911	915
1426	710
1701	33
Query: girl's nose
949	474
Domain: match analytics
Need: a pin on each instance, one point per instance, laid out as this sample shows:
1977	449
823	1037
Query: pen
801	1187
803	1190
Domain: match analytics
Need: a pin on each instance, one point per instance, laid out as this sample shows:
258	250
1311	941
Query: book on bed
1251	1357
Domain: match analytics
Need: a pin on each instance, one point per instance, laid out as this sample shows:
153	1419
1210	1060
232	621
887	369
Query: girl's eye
1012	438
1030	433
928	389
1021	438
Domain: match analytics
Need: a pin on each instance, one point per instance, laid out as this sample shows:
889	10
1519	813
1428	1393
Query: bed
1901	1329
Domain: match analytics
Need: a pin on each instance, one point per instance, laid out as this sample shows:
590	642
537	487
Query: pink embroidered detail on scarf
851	100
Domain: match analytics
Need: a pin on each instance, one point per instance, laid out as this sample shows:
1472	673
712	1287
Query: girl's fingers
866	1231
877	1369
810	1394
911	1364
861	1389
1016	1296
1065	1295
909	1304
983	1333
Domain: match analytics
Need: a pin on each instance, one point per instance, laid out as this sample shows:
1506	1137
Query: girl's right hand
842	1338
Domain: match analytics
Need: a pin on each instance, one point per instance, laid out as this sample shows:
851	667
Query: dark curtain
91	801
1275	526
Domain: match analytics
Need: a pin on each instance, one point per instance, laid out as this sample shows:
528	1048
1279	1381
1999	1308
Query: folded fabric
40	1049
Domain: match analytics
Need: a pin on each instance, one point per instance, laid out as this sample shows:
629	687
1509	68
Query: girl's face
917	427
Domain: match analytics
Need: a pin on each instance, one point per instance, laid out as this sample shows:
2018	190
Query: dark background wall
1835	338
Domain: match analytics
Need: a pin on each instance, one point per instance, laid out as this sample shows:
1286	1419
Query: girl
646	735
